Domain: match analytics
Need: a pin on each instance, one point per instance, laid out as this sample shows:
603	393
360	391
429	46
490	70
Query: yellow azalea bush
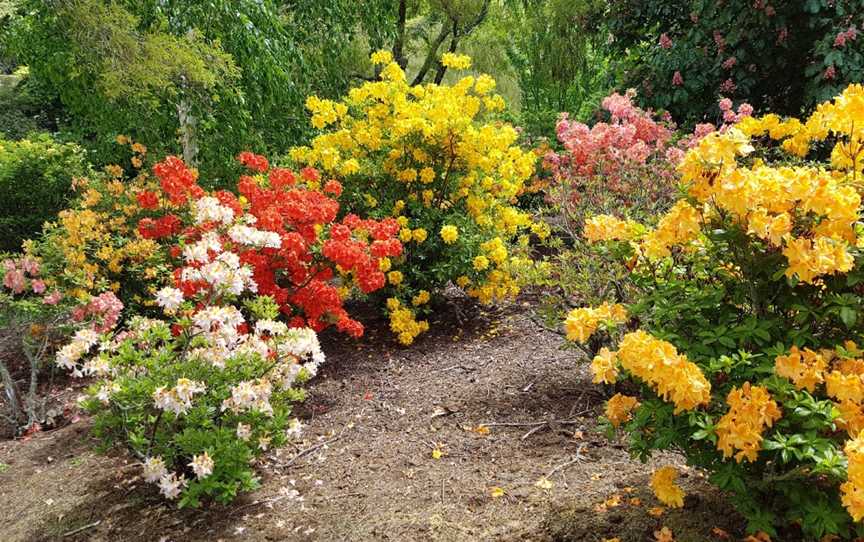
93	245
740	349
436	158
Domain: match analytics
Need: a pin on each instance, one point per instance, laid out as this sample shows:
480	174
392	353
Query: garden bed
377	413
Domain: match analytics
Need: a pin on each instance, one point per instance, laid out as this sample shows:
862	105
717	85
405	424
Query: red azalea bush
303	257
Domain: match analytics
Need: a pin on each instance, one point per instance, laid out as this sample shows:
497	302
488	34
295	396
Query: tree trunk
399	44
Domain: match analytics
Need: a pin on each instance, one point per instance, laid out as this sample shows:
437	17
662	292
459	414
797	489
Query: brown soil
378	412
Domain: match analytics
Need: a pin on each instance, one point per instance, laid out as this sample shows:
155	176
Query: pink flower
725	104
31	266
830	73
728	86
53	298
677	79
15	281
729	63
665	41
729	116
744	110
847	35
38	286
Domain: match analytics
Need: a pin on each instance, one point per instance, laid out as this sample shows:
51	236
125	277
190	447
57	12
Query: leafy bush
623	165
197	396
130	237
33	320
682	54
749	295
36	181
434	158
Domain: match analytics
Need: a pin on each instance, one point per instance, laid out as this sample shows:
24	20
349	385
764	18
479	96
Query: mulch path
482	431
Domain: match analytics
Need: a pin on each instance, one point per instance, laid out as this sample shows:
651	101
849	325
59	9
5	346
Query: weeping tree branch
431	55
458	34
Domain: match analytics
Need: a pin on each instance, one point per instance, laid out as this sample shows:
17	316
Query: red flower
253	161
333	187
147	199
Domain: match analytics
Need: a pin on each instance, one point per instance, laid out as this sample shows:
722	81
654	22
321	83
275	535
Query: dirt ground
368	465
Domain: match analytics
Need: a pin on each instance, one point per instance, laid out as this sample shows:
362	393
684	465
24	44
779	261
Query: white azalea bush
197	401
199	394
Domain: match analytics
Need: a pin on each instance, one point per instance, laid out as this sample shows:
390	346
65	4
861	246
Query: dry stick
531	424
577	459
83	528
312	449
532	431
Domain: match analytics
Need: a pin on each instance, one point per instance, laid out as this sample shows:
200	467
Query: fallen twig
311	449
530	424
577	459
82	528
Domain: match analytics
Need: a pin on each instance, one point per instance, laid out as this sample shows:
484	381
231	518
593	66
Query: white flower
154	469
264	443
209	209
244	431
169	298
271	327
170	485
186	389
245	235
295	428
202	465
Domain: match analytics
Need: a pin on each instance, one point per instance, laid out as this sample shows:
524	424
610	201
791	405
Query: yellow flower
456	62
604	367
583	322
384	264
751	410
420	235
481	263
405	235
421	298
449	233
382	57
805	369
395	277
671	374
665	488
619	407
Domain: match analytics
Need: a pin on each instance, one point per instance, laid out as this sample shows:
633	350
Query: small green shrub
35	183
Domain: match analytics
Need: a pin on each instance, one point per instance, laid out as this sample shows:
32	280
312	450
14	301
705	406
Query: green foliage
559	59
168	404
778	56
36	182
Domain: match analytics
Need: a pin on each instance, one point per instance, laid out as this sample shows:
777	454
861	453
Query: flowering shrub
746	359
135	237
432	158
199	395
682	54
625	167
34	318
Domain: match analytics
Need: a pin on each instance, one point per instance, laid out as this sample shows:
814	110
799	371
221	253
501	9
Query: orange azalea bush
134	235
741	350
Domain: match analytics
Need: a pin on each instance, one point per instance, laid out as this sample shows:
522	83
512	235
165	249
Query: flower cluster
665	488
583	322
432	158
751	410
658	363
853	488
